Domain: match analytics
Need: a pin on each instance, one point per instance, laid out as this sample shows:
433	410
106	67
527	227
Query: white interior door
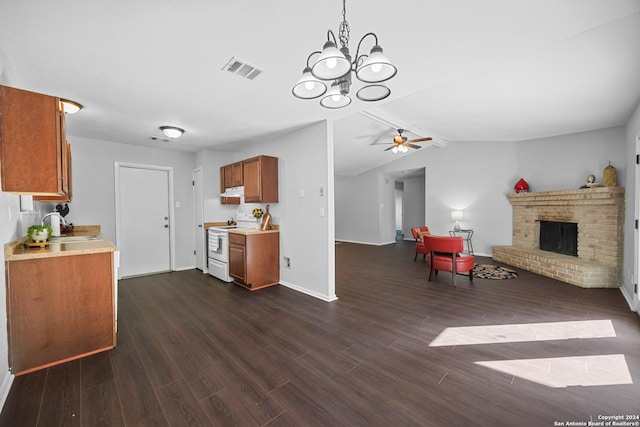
143	219
198	202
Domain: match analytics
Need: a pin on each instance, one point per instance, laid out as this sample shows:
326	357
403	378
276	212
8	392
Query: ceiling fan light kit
336	66
401	144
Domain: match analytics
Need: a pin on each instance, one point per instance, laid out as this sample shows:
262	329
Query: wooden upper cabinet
261	180
230	176
66	170
233	176
33	147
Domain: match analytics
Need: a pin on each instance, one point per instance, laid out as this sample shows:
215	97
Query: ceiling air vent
242	68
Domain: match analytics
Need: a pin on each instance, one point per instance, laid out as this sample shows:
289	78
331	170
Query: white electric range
218	247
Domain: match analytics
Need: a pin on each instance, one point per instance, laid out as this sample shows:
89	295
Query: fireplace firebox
559	237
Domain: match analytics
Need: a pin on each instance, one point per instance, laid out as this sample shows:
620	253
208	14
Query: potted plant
257	214
39	233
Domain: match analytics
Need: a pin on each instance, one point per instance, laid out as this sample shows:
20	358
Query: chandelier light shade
376	67
333	67
308	87
334	98
331	64
371	93
172	131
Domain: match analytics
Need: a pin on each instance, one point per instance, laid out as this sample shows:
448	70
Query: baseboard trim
193	267
325	298
365	243
5	388
627	297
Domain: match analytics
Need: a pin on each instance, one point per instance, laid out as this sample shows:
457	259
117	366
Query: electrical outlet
287	262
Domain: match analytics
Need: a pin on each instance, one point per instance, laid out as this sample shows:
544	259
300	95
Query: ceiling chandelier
334	67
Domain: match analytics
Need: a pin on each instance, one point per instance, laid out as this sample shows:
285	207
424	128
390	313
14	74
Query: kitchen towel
215	243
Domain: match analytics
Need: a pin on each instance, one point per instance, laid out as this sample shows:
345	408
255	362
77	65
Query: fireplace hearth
592	260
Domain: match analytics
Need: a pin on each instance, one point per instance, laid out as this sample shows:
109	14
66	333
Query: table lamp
457	217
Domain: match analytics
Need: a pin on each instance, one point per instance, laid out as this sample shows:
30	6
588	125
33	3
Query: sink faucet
51	213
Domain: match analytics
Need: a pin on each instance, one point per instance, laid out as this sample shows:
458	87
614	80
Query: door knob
166	226
200	225
166	217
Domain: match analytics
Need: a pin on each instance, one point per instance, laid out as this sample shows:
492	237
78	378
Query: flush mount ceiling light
70	107
334	67
172	132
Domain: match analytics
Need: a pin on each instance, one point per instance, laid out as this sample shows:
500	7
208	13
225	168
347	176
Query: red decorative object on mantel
521	186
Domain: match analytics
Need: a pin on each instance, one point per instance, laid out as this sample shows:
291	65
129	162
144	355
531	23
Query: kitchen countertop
208	225
247	231
16	251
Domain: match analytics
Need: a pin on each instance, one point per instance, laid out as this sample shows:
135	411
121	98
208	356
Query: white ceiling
498	70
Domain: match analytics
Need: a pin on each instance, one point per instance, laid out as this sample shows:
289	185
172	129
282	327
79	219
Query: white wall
306	237
210	161
564	162
399	194
386	195
476	177
357	208
413	205
94	188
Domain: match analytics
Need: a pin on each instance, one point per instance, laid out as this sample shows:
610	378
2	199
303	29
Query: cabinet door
237	262
66	166
228	176
231	175
31	143
252	193
261	180
54	316
237	174
226	180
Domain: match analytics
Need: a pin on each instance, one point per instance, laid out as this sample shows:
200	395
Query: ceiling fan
401	144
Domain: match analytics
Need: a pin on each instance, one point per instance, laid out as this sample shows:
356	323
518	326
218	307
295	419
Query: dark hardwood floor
194	351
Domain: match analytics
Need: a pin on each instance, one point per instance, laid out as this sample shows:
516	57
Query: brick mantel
599	213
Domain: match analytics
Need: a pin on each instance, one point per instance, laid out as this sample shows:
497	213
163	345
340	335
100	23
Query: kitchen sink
71	239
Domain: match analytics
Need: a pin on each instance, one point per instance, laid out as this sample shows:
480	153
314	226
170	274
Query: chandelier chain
344	30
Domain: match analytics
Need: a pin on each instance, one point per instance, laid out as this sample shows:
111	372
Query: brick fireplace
599	213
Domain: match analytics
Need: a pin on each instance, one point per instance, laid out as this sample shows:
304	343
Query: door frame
118	165
195	215
635	294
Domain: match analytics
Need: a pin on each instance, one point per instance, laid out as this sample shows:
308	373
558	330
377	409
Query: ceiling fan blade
412	146
387	149
420	139
379	137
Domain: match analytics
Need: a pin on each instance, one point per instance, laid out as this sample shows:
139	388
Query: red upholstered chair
420	248
444	253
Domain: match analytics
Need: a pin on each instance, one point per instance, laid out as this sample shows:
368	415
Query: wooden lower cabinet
59	309
254	259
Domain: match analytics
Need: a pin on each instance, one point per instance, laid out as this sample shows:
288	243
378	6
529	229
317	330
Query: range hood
233	192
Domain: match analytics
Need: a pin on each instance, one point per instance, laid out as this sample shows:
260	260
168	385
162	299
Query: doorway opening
410	201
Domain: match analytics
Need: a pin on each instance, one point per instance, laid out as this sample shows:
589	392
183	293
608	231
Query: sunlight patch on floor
559	372
524	332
